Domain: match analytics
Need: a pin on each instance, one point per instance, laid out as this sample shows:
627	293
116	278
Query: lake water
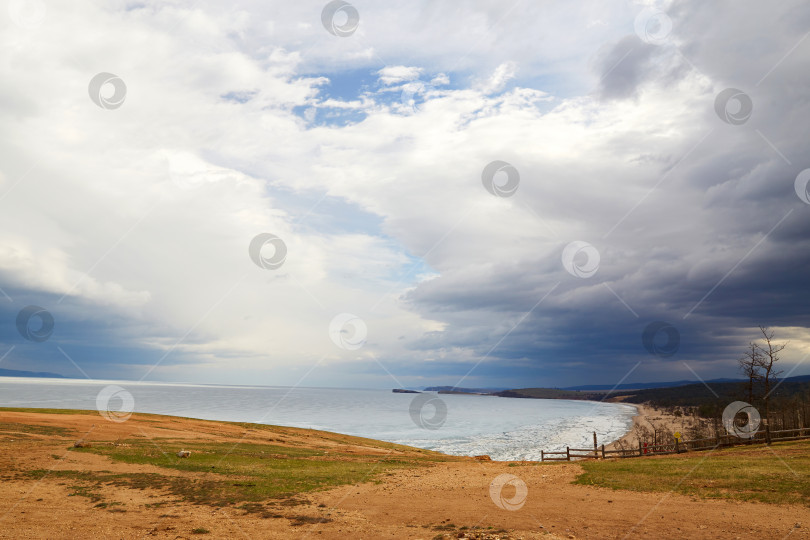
503	428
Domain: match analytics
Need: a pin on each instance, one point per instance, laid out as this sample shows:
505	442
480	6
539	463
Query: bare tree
654	431
750	363
767	363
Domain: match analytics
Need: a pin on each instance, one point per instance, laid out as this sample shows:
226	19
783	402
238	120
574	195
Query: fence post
567	454
542	456
595	447
603	451
639	448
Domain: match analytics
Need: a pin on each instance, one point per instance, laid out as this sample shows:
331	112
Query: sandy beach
51	489
650	418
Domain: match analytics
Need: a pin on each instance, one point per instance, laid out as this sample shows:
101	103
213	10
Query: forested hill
38	374
708	397
711	396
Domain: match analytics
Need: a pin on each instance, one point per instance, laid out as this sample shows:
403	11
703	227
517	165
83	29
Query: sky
377	194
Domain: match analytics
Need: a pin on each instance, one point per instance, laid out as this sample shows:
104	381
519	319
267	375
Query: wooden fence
675	447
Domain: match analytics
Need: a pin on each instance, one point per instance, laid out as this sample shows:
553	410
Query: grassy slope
779	474
226	472
243	472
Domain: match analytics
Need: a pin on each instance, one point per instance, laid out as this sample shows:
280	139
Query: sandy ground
408	503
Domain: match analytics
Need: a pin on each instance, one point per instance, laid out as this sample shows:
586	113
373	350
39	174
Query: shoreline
629	437
473	454
649	418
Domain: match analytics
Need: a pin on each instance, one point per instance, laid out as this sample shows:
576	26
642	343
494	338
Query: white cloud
440	80
150	207
397	74
498	80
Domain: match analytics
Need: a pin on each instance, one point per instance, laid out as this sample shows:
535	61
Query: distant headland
37	374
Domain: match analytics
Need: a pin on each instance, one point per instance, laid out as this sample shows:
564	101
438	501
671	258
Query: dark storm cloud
95	344
721	246
624	67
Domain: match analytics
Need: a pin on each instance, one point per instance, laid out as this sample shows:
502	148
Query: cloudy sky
378	194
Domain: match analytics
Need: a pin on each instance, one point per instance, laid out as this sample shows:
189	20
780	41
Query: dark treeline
702	411
781	403
761	403
710	400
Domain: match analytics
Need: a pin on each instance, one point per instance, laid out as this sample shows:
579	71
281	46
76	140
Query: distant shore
648	417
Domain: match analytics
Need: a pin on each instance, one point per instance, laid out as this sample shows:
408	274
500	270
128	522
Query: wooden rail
676	447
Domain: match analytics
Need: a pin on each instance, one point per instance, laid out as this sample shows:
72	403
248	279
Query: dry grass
779	474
